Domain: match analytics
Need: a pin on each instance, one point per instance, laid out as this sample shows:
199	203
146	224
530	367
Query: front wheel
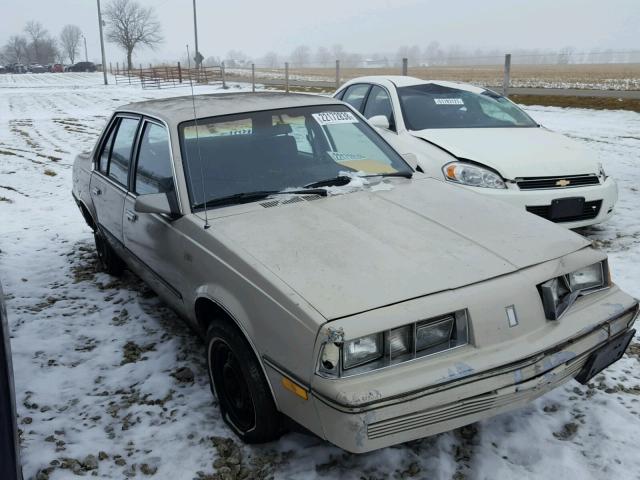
244	397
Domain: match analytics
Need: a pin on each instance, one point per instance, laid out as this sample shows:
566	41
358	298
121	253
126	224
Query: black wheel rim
231	386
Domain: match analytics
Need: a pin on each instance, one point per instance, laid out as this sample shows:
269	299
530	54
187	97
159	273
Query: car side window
154	173
379	103
355	94
121	151
103	160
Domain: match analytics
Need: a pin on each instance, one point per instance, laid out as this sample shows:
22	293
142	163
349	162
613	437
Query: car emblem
512	318
563	183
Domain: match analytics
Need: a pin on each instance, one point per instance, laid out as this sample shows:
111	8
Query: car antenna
195	121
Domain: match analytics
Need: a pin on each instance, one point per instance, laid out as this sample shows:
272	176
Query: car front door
110	177
152	240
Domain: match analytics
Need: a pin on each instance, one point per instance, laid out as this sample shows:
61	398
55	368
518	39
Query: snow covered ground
110	382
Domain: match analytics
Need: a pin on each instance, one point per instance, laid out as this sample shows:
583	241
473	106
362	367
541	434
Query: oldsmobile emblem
563	182
512	317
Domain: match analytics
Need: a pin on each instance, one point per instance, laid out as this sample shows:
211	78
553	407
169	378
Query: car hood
516	152
355	252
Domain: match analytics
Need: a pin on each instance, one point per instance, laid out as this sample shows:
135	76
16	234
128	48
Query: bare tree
323	56
269	60
131	25
70	41
300	56
15	49
37	35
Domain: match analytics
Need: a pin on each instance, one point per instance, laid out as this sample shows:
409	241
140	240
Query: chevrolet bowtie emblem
563	183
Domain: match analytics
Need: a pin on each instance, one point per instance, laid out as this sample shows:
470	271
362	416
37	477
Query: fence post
253	77
337	74
286	77
405	66
224	80
179	73
507	75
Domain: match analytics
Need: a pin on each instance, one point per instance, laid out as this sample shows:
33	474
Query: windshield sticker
448	101
345	157
333	118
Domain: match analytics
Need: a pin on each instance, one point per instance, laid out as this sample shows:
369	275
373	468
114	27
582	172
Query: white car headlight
473	175
362	350
394	346
559	293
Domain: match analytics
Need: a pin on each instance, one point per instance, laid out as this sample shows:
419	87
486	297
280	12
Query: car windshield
436	106
275	150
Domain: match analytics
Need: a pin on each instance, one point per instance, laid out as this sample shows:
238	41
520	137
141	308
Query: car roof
175	110
406	81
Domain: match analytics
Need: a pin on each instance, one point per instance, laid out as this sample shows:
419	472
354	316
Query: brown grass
49	172
597	103
624	76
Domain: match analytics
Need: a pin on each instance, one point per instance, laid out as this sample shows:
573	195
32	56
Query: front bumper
536	200
359	425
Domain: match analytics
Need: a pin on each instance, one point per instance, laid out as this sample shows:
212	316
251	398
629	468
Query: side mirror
161	203
379	121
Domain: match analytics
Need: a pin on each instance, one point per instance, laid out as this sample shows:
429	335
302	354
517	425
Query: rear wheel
244	397
111	263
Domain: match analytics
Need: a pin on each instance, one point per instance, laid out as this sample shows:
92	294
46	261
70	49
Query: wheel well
207	311
87	216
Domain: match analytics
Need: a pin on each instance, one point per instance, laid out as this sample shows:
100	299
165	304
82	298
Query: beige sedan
333	284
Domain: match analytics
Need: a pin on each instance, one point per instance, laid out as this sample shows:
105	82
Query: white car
477	138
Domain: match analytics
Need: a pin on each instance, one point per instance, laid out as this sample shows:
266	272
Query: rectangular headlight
395	346
587	278
559	293
362	350
430	334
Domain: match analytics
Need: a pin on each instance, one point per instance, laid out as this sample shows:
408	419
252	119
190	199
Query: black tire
243	394
111	263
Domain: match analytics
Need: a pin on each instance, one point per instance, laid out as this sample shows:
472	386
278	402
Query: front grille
539	183
471	406
590	210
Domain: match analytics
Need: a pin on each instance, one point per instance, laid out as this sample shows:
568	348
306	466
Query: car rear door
153	240
110	178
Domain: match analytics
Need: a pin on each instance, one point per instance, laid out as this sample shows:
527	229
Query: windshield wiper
246	197
338	181
392	174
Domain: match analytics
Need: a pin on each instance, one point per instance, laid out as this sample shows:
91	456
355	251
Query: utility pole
86	55
104	61
195	31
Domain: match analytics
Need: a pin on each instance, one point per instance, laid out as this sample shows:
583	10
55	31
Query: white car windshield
436	106
276	150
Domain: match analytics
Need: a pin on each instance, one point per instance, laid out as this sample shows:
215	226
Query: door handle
96	191
131	215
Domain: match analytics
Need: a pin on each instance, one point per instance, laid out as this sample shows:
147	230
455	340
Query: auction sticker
333	118
448	101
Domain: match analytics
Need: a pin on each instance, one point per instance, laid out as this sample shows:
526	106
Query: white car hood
364	250
516	152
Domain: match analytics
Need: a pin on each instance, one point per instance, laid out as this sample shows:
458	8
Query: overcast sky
363	26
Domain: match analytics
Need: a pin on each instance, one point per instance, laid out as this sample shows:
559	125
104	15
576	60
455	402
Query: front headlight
473	175
394	346
559	293
362	350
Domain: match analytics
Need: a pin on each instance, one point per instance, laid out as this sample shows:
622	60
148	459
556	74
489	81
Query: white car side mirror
379	121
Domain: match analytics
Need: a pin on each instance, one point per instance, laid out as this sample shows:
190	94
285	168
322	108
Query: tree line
433	54
129	25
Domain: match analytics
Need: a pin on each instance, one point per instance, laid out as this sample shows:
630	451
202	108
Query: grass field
601	77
